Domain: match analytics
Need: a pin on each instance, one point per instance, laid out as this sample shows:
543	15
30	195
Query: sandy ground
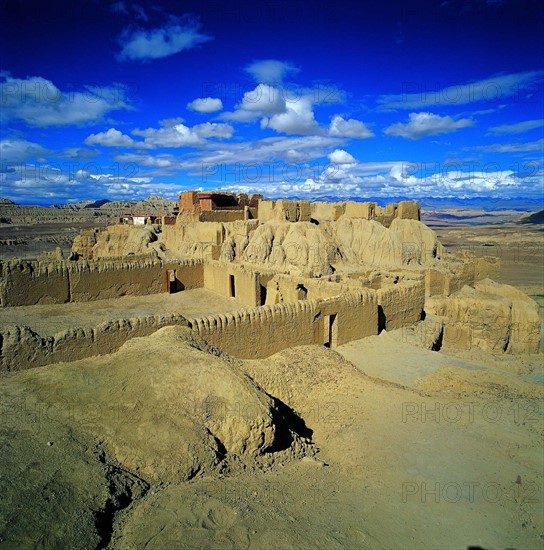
48	320
387	467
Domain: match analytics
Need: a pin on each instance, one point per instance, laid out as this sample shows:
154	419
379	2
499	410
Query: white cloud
19	150
266	153
513	147
158	161
176	36
270	71
213	130
493	89
298	118
264	100
518	128
178	135
38	102
111	138
339	156
349	128
205	105
427	124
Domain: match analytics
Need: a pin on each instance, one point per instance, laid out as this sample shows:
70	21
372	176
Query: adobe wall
104	279
327	211
290	288
21	348
401	305
222	215
284	210
262	331
467	273
33	282
217	278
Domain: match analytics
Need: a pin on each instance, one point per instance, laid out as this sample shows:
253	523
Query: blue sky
385	99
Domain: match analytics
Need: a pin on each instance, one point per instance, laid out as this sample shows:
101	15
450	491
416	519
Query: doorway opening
330	331
171	286
232	286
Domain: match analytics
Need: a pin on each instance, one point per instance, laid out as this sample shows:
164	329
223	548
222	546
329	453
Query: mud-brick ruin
299	273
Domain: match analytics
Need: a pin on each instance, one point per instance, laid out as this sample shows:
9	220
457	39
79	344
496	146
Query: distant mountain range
103	211
534	218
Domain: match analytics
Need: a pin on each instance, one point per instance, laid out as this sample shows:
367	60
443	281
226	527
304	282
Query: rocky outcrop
116	241
300	248
490	316
368	242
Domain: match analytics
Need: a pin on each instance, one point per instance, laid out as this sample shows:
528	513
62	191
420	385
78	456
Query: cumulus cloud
493	89
517	128
339	156
110	138
298	118
19	150
264	100
205	105
427	124
214	130
174	37
270	70
175	134
38	102
180	135
349	128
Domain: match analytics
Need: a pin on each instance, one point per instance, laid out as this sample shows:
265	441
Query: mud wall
34	282
21	348
400	305
262	331
467	273
233	281
284	210
223	215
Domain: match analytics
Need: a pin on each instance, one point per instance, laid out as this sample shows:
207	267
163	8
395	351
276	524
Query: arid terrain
171	443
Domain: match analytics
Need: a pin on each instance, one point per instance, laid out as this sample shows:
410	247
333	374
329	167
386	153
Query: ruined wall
435	282
327	211
111	279
466	272
263	331
222	215
284	210
290	288
244	286
32	282
489	316
400	305
22	348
